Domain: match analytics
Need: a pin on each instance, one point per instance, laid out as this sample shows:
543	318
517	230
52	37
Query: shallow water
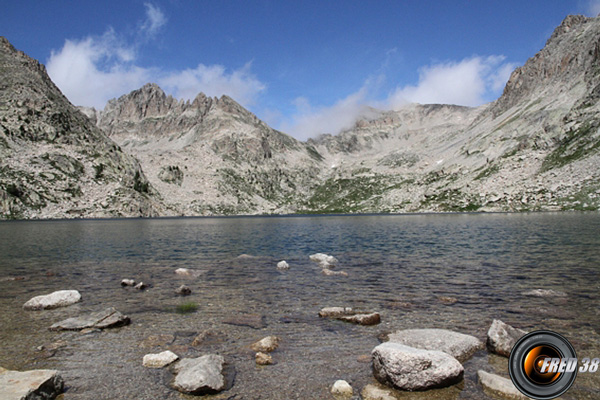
404	267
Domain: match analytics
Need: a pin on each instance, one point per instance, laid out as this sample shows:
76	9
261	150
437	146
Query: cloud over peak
92	70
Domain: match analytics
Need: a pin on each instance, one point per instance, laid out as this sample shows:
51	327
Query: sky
306	67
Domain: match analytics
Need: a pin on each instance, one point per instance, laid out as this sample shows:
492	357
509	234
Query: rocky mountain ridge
533	149
54	162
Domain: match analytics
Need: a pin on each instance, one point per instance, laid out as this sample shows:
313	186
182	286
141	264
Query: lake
453	271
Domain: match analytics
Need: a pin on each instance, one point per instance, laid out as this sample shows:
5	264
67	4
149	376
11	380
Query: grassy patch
187	307
492	169
578	144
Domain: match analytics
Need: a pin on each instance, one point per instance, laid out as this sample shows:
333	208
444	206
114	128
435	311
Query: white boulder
61	298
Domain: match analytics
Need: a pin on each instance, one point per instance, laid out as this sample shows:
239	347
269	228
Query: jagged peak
567	25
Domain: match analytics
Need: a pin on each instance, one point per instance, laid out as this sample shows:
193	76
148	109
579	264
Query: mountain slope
535	148
53	161
211	156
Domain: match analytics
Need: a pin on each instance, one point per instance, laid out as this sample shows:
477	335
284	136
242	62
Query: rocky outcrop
210	155
108	318
502	337
61	298
411	369
30	385
54	162
458	345
200	375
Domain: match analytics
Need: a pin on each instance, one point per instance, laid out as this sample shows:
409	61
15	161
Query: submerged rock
545	293
266	345
61	298
328	272
157	341
108	318
159	360
347	314
362	319
188	273
283	265
183	290
341	388
372	392
30	385
200	375
334	312
458	345
255	321
502	337
499	386
411	369
263	358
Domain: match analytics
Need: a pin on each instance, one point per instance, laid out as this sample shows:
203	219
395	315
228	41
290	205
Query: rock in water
266	345
283	265
108	318
159	360
362	319
30	385
200	375
334	312
502	337
545	293
61	298
127	282
498	385
372	392
323	259
458	345
263	358
411	369
255	321
183	290
341	388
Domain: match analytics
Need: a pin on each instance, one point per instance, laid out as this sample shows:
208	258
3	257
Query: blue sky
305	67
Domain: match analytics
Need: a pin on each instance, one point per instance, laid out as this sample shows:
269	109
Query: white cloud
310	122
593	8
93	70
214	80
471	82
155	19
468	82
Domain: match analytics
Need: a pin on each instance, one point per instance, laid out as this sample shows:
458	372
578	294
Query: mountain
54	162
535	148
211	155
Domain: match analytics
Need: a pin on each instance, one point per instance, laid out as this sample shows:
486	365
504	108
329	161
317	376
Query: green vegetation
486	172
187	307
576	145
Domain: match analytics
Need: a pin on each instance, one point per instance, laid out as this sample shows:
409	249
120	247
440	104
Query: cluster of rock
422	359
327	264
132	282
